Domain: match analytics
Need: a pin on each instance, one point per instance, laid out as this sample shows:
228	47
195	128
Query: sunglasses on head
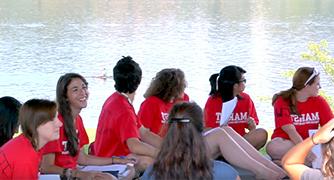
314	73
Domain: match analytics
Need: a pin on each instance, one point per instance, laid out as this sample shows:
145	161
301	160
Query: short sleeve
282	113
82	132
128	128
210	113
252	111
326	113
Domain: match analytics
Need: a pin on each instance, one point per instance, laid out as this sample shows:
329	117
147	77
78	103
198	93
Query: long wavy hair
33	113
168	84
9	113
298	83
183	154
328	159
64	109
222	84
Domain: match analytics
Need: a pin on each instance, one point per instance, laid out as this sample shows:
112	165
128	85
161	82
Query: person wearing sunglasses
298	110
226	85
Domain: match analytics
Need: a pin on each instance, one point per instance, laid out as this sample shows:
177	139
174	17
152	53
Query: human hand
325	133
251	123
131	159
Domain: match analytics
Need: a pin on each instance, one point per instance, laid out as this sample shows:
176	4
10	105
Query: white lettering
65	150
308	118
164	117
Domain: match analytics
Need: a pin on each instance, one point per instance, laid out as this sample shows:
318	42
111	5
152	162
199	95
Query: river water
43	39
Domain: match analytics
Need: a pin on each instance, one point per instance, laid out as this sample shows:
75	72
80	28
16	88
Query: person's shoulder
245	95
280	101
212	101
153	99
318	98
17	144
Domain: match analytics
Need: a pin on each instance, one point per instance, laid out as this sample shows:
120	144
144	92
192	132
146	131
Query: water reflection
41	40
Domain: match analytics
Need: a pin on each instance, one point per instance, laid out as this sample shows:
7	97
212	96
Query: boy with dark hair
119	133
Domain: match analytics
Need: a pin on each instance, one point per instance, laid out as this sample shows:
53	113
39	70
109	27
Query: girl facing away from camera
298	110
221	141
20	157
184	154
166	88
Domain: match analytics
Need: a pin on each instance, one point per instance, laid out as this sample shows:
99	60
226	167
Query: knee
262	134
271	149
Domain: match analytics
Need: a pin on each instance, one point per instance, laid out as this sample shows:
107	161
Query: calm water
43	39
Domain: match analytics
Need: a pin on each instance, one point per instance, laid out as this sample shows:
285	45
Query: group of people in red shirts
124	137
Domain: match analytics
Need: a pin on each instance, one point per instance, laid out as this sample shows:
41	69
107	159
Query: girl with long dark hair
226	85
63	156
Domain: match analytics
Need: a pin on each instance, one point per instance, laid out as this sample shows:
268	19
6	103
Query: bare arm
141	148
293	161
85	159
149	137
48	167
290	129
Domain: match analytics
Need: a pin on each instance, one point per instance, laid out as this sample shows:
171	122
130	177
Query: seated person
298	110
166	88
184	154
20	157
65	154
119	133
226	85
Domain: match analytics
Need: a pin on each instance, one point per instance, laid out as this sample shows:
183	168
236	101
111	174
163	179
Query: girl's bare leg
219	141
252	151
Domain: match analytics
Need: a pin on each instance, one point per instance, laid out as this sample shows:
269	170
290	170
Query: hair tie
179	120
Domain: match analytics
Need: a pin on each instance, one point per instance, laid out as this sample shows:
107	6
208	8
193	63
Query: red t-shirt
19	160
312	112
62	156
153	113
117	123
238	121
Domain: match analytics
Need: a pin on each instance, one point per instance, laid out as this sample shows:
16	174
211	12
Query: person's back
183	153
9	112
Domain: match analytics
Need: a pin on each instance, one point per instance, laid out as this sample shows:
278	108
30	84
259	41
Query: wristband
312	139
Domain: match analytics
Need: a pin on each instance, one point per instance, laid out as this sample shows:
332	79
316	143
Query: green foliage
319	52
265	98
288	74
